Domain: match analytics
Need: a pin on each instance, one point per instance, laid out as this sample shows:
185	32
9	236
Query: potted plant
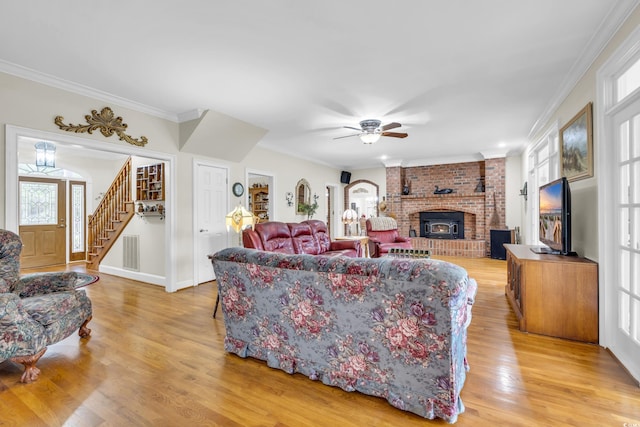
309	208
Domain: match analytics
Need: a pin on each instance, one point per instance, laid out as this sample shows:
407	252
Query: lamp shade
349	216
238	219
370	137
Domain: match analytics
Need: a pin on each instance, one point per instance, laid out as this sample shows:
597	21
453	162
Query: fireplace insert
442	225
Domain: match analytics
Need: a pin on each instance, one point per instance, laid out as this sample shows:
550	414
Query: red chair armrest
337	245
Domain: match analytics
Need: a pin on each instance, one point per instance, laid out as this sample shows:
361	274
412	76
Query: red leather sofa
383	234
307	237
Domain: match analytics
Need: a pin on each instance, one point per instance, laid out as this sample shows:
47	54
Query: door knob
202	230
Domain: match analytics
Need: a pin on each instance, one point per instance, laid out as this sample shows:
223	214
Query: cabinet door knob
202	230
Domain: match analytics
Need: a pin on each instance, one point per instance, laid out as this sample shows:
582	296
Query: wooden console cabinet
552	294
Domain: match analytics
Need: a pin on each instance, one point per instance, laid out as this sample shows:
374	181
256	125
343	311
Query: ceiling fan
370	131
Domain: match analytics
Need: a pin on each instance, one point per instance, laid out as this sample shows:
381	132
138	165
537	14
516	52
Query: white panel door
211	208
623	294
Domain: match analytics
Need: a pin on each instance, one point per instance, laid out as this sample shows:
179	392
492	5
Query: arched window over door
362	196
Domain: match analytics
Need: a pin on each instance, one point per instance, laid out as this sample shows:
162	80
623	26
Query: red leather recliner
307	237
383	234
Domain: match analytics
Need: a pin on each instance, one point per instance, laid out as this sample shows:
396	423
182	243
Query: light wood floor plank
157	359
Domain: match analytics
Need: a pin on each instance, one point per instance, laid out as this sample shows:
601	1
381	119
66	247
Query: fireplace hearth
442	225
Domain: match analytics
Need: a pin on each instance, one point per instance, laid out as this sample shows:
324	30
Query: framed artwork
576	146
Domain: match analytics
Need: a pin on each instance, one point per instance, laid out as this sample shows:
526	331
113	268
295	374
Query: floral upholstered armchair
36	310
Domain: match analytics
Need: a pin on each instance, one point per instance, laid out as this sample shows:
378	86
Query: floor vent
131	252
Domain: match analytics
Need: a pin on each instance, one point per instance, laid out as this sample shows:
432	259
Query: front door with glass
43	225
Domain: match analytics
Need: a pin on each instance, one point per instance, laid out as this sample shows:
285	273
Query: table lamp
349	216
239	219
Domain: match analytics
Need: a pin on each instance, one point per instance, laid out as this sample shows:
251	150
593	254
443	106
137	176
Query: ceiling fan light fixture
370	131
370	125
370	137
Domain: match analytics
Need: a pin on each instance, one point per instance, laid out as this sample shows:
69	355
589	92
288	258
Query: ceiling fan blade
346	136
395	134
351	127
392	125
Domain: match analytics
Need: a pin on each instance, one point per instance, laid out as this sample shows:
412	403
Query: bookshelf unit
150	183
259	201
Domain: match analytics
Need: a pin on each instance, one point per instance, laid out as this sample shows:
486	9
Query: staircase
110	217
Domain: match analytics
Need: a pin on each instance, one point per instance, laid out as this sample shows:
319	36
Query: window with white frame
627	82
543	167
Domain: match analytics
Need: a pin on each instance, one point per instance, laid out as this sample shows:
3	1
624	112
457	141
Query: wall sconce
45	154
523	192
289	197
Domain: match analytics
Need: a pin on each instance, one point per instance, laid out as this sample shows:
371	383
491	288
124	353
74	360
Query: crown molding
444	160
495	154
190	115
603	35
49	80
392	163
435	161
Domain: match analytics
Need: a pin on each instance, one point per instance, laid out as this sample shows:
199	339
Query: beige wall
287	172
584	193
31	105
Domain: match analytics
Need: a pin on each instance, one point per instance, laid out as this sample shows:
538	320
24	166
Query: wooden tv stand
553	295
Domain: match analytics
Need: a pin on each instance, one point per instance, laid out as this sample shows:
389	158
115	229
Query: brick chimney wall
481	213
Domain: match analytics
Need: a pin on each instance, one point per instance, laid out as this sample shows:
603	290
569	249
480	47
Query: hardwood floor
156	359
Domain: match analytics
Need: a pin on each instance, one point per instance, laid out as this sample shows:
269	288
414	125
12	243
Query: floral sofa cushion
47	309
387	327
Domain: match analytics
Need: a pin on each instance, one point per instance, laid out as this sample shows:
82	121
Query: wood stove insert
442	225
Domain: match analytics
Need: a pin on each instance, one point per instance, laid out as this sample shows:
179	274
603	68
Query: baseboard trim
134	275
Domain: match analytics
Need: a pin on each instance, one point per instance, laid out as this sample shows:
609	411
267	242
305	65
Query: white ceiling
465	78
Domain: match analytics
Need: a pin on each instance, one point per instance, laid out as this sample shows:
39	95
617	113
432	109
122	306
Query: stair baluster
113	213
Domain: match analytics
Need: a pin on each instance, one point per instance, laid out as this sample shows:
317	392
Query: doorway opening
86	156
260	194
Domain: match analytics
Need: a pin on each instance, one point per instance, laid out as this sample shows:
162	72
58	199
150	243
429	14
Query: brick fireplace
465	180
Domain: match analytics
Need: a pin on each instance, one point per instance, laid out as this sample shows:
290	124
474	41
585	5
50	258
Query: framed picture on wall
576	146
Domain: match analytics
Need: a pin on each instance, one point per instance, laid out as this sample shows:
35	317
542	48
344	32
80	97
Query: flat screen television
555	218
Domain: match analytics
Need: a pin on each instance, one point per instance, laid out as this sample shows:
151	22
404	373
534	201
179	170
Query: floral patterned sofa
389	327
36	310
